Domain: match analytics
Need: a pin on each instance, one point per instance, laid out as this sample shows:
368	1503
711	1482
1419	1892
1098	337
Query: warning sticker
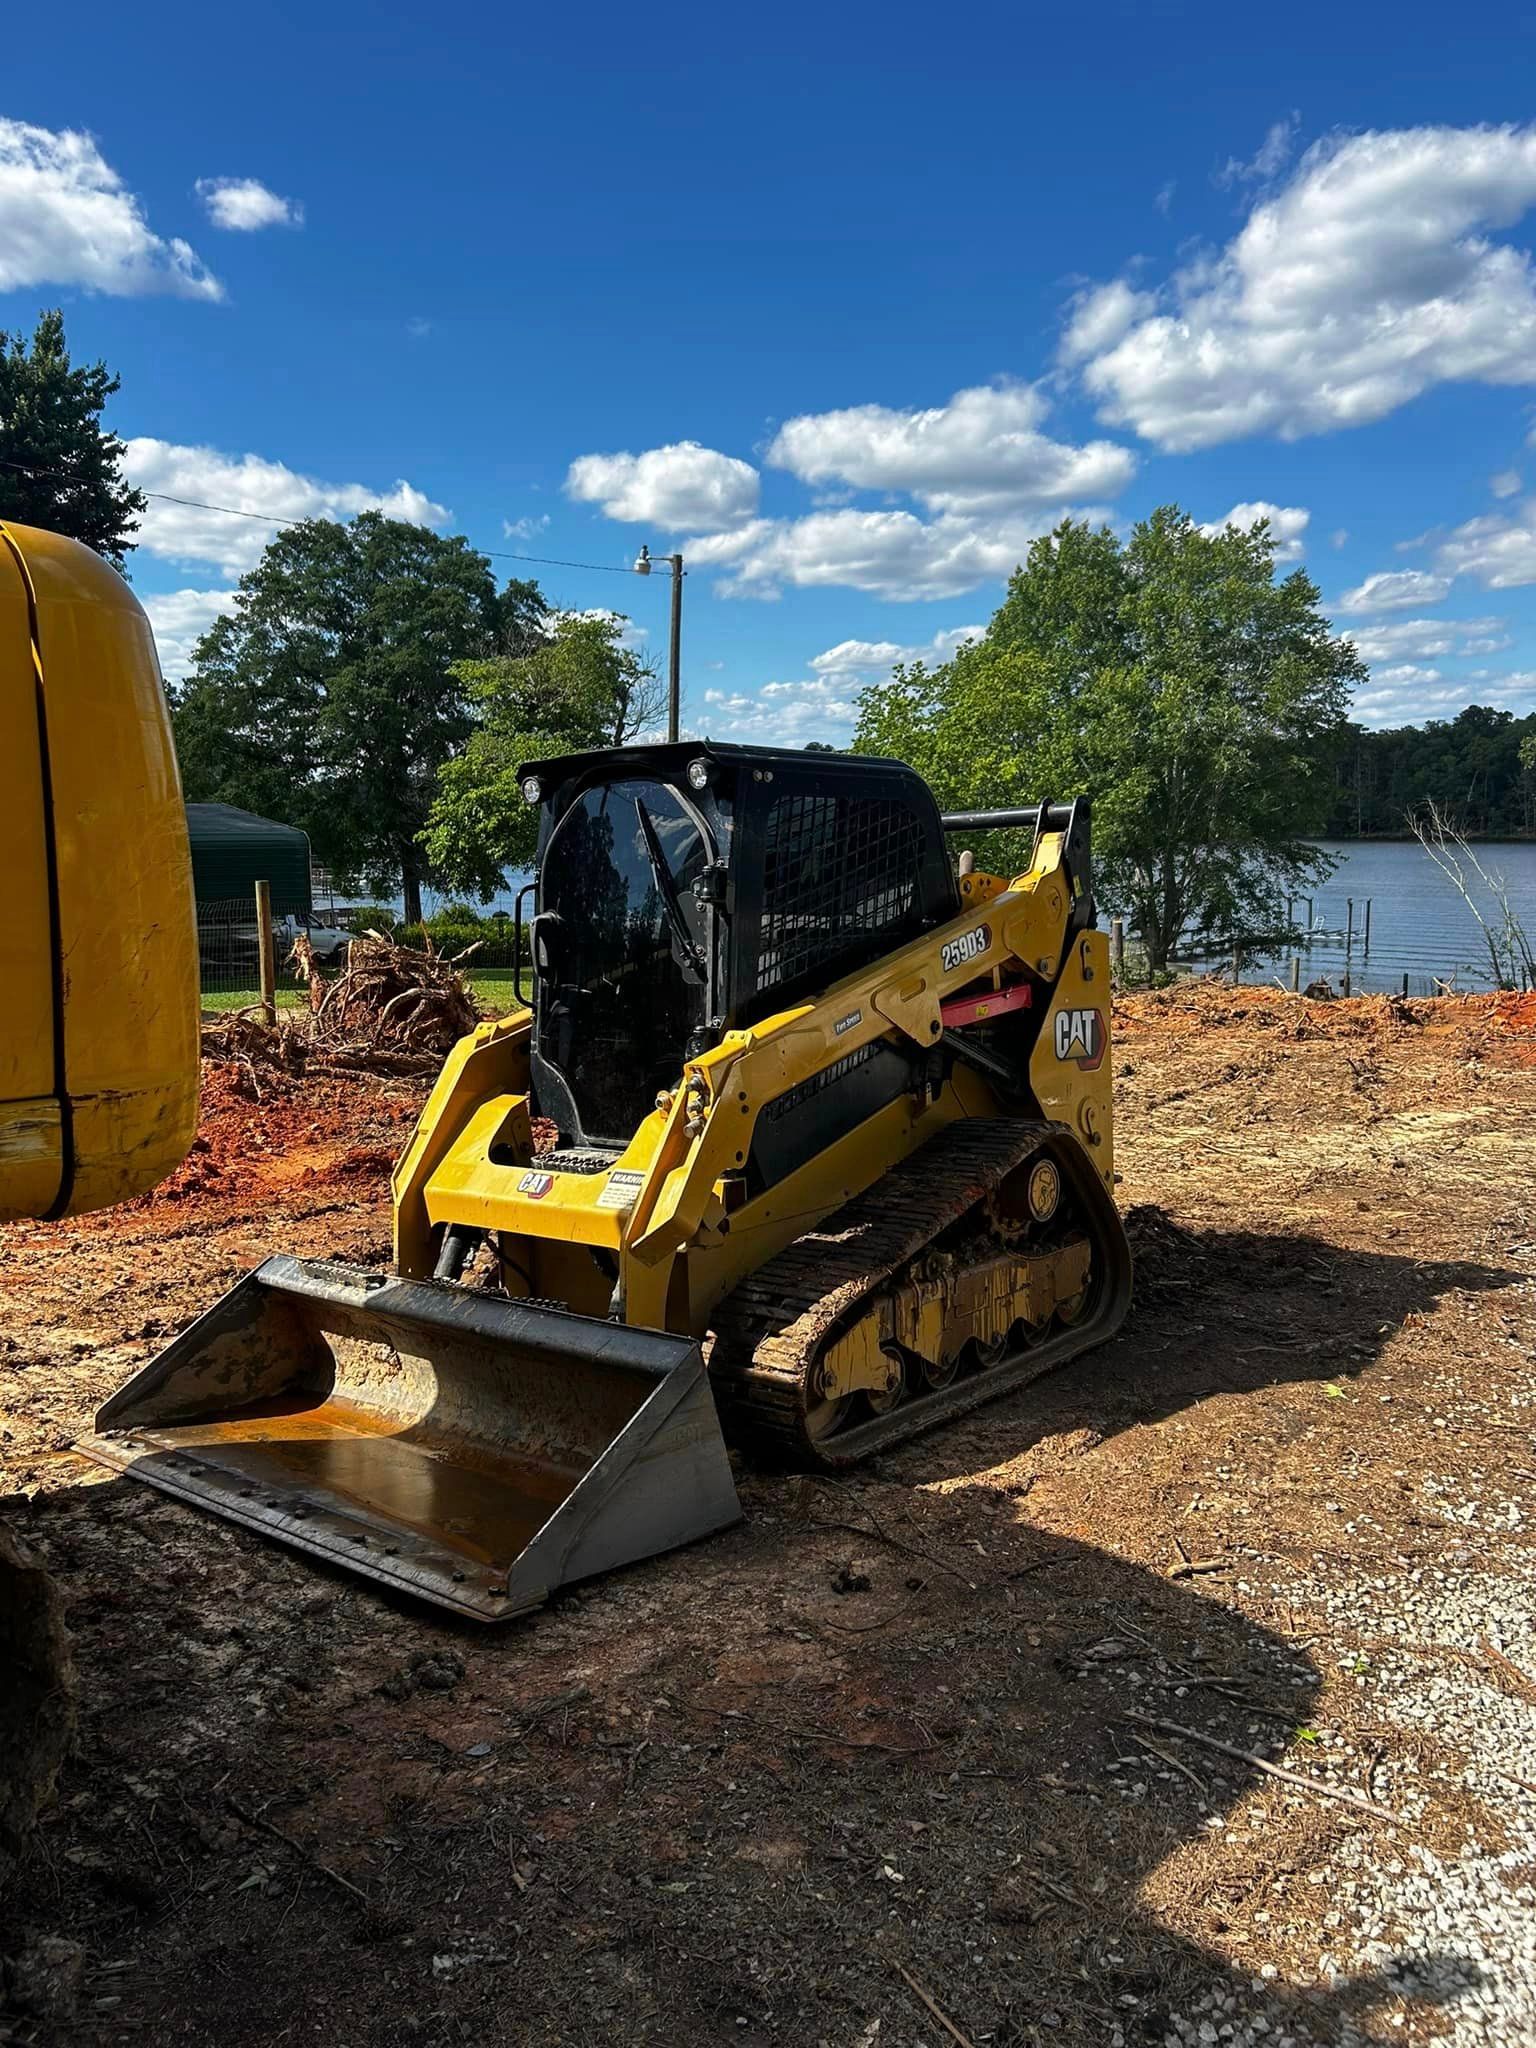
621	1191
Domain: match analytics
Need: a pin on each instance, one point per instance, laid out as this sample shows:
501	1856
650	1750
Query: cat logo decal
1081	1038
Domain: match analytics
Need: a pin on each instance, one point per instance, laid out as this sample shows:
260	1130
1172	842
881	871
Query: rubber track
767	1332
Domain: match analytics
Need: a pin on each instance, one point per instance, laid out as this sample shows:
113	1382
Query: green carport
233	850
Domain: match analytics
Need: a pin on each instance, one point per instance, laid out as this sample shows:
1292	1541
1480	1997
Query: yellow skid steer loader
833	1165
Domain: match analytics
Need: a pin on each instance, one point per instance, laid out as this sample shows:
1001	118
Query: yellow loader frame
670	1214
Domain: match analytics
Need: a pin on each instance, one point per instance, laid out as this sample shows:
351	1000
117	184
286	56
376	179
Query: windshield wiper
667	890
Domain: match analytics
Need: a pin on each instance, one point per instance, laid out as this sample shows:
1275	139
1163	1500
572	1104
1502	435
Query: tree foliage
1478	770
580	687
1171	679
59	468
333	693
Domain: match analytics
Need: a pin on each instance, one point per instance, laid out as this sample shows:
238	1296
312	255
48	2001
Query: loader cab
690	888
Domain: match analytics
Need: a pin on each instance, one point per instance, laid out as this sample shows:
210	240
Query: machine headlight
699	772
533	789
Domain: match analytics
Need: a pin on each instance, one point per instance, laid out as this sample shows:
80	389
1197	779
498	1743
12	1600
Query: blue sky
847	302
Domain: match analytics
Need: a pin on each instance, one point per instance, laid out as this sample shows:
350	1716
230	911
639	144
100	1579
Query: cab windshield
627	949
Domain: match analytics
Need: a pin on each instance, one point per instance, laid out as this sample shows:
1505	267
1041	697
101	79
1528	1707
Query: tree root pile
390	1010
262	1052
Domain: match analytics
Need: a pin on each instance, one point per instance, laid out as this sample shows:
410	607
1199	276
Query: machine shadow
971	1733
989	1709
1071	1855
1213	1312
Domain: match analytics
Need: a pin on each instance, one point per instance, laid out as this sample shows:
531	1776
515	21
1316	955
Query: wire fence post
1367	938
266	951
1295	974
1349	939
1117	944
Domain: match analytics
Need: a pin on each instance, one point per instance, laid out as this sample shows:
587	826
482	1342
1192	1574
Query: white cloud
889	554
680	485
1339	537
1499	548
1287	523
1101	315
630	635
1163	198
1429	639
1409	695
65	218
1398	673
1371	276
871	661
1271	156
528	527
981	452
781	714
180	618
1394	590
251	485
1506	484
245	204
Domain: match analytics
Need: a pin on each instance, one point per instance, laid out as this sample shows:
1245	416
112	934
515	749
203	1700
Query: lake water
1420	925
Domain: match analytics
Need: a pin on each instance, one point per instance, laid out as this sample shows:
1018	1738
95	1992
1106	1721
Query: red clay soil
875	1734
293	1131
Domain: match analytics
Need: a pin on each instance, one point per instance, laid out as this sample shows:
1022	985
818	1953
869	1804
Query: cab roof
670	758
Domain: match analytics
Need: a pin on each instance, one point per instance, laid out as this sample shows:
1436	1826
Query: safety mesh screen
838	872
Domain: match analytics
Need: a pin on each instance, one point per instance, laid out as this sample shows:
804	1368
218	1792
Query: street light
643	567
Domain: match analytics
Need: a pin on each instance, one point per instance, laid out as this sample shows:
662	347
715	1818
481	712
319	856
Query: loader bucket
475	1451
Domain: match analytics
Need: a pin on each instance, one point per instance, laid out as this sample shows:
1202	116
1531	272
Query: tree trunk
410	884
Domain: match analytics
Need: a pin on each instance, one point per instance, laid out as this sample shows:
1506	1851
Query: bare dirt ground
876	1751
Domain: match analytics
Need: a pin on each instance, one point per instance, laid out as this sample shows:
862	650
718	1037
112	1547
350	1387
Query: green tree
522	617
58	467
1478	770
333	693
1173	680
581	687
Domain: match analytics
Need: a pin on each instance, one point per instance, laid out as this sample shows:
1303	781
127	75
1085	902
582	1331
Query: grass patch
220	1000
494	989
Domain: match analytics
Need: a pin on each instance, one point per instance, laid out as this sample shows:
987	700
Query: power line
287	519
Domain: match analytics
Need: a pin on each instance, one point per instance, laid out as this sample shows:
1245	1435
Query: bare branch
1509	947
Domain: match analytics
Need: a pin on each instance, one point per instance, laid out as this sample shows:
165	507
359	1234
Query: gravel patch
1441	1943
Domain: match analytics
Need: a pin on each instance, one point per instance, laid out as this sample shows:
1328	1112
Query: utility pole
675	652
643	566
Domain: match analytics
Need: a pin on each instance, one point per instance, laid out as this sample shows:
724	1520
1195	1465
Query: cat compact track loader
832	1163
